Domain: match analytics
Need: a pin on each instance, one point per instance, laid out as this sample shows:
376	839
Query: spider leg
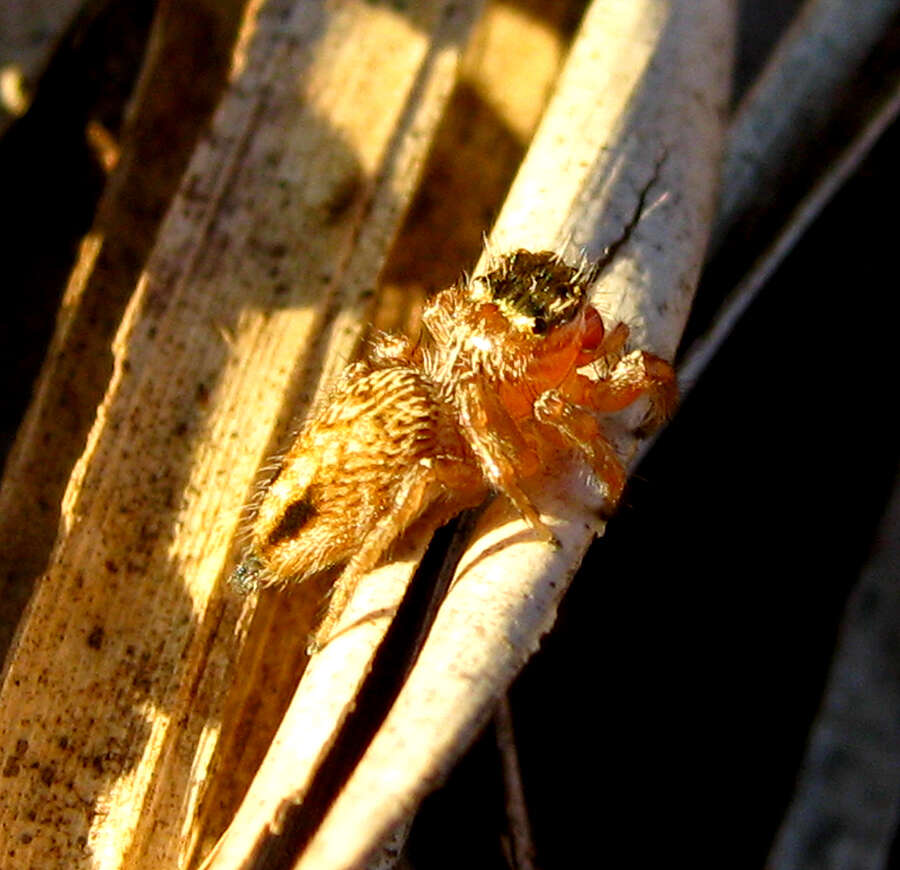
637	374
411	497
580	430
608	349
494	439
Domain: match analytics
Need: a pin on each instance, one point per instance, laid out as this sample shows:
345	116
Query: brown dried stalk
112	699
176	93
633	108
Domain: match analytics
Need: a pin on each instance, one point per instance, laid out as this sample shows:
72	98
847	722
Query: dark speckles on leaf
95	638
11	768
341	196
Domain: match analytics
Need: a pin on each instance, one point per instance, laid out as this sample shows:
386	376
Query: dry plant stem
793	97
172	101
740	299
850	779
328	685
109	706
516	806
644	81
319	707
29	30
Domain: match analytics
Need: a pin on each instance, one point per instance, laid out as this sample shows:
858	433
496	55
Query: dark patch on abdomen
296	515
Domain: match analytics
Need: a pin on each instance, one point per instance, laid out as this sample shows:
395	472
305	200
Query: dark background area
52	181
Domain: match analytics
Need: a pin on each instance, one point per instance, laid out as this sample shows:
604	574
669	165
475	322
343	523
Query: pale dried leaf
654	75
111	704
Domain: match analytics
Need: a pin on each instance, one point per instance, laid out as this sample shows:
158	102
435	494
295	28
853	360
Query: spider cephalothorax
511	378
535	292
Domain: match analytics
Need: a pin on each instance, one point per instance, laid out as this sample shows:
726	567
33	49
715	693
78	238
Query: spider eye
539	326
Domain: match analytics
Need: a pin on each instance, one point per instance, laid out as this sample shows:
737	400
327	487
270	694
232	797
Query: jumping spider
489	397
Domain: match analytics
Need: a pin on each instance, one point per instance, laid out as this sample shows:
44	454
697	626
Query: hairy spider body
491	396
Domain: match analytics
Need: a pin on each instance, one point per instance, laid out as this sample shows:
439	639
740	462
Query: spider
491	396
